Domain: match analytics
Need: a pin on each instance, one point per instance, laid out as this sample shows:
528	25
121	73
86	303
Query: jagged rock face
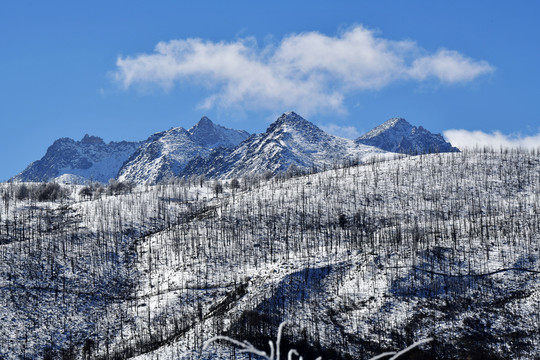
166	154
290	140
397	135
88	159
212	136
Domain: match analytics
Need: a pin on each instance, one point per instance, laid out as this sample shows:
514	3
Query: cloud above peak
309	72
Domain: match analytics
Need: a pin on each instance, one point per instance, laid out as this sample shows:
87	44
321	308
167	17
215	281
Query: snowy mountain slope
290	140
88	159
165	154
397	135
365	260
359	260
162	155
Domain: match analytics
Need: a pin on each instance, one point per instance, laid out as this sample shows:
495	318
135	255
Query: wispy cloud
471	139
308	71
348	132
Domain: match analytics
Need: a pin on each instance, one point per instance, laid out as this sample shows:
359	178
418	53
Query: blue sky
124	70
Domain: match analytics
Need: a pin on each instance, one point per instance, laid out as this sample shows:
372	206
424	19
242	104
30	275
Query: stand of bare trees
362	259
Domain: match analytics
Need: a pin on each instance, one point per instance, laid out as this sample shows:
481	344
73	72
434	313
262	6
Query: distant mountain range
218	152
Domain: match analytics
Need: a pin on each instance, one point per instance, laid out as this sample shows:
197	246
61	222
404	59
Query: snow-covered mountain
218	152
359	260
78	161
289	141
166	154
397	135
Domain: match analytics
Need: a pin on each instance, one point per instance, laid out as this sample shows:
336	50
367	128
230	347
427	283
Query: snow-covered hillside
360	260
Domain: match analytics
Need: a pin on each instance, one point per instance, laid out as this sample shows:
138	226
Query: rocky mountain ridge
165	154
397	135
290	142
88	159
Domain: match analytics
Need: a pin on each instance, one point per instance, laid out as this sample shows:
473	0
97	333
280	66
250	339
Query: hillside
359	260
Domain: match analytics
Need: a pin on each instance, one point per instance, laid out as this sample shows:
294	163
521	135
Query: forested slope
359	260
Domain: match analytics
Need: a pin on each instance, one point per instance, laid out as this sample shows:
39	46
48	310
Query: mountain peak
289	117
397	135
62	141
87	139
294	121
205	122
396	121
210	135
204	126
394	125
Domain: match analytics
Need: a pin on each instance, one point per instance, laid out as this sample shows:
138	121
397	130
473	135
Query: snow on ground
363	259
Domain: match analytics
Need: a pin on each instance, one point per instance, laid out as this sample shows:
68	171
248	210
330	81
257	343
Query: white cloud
470	139
449	67
348	132
308	72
